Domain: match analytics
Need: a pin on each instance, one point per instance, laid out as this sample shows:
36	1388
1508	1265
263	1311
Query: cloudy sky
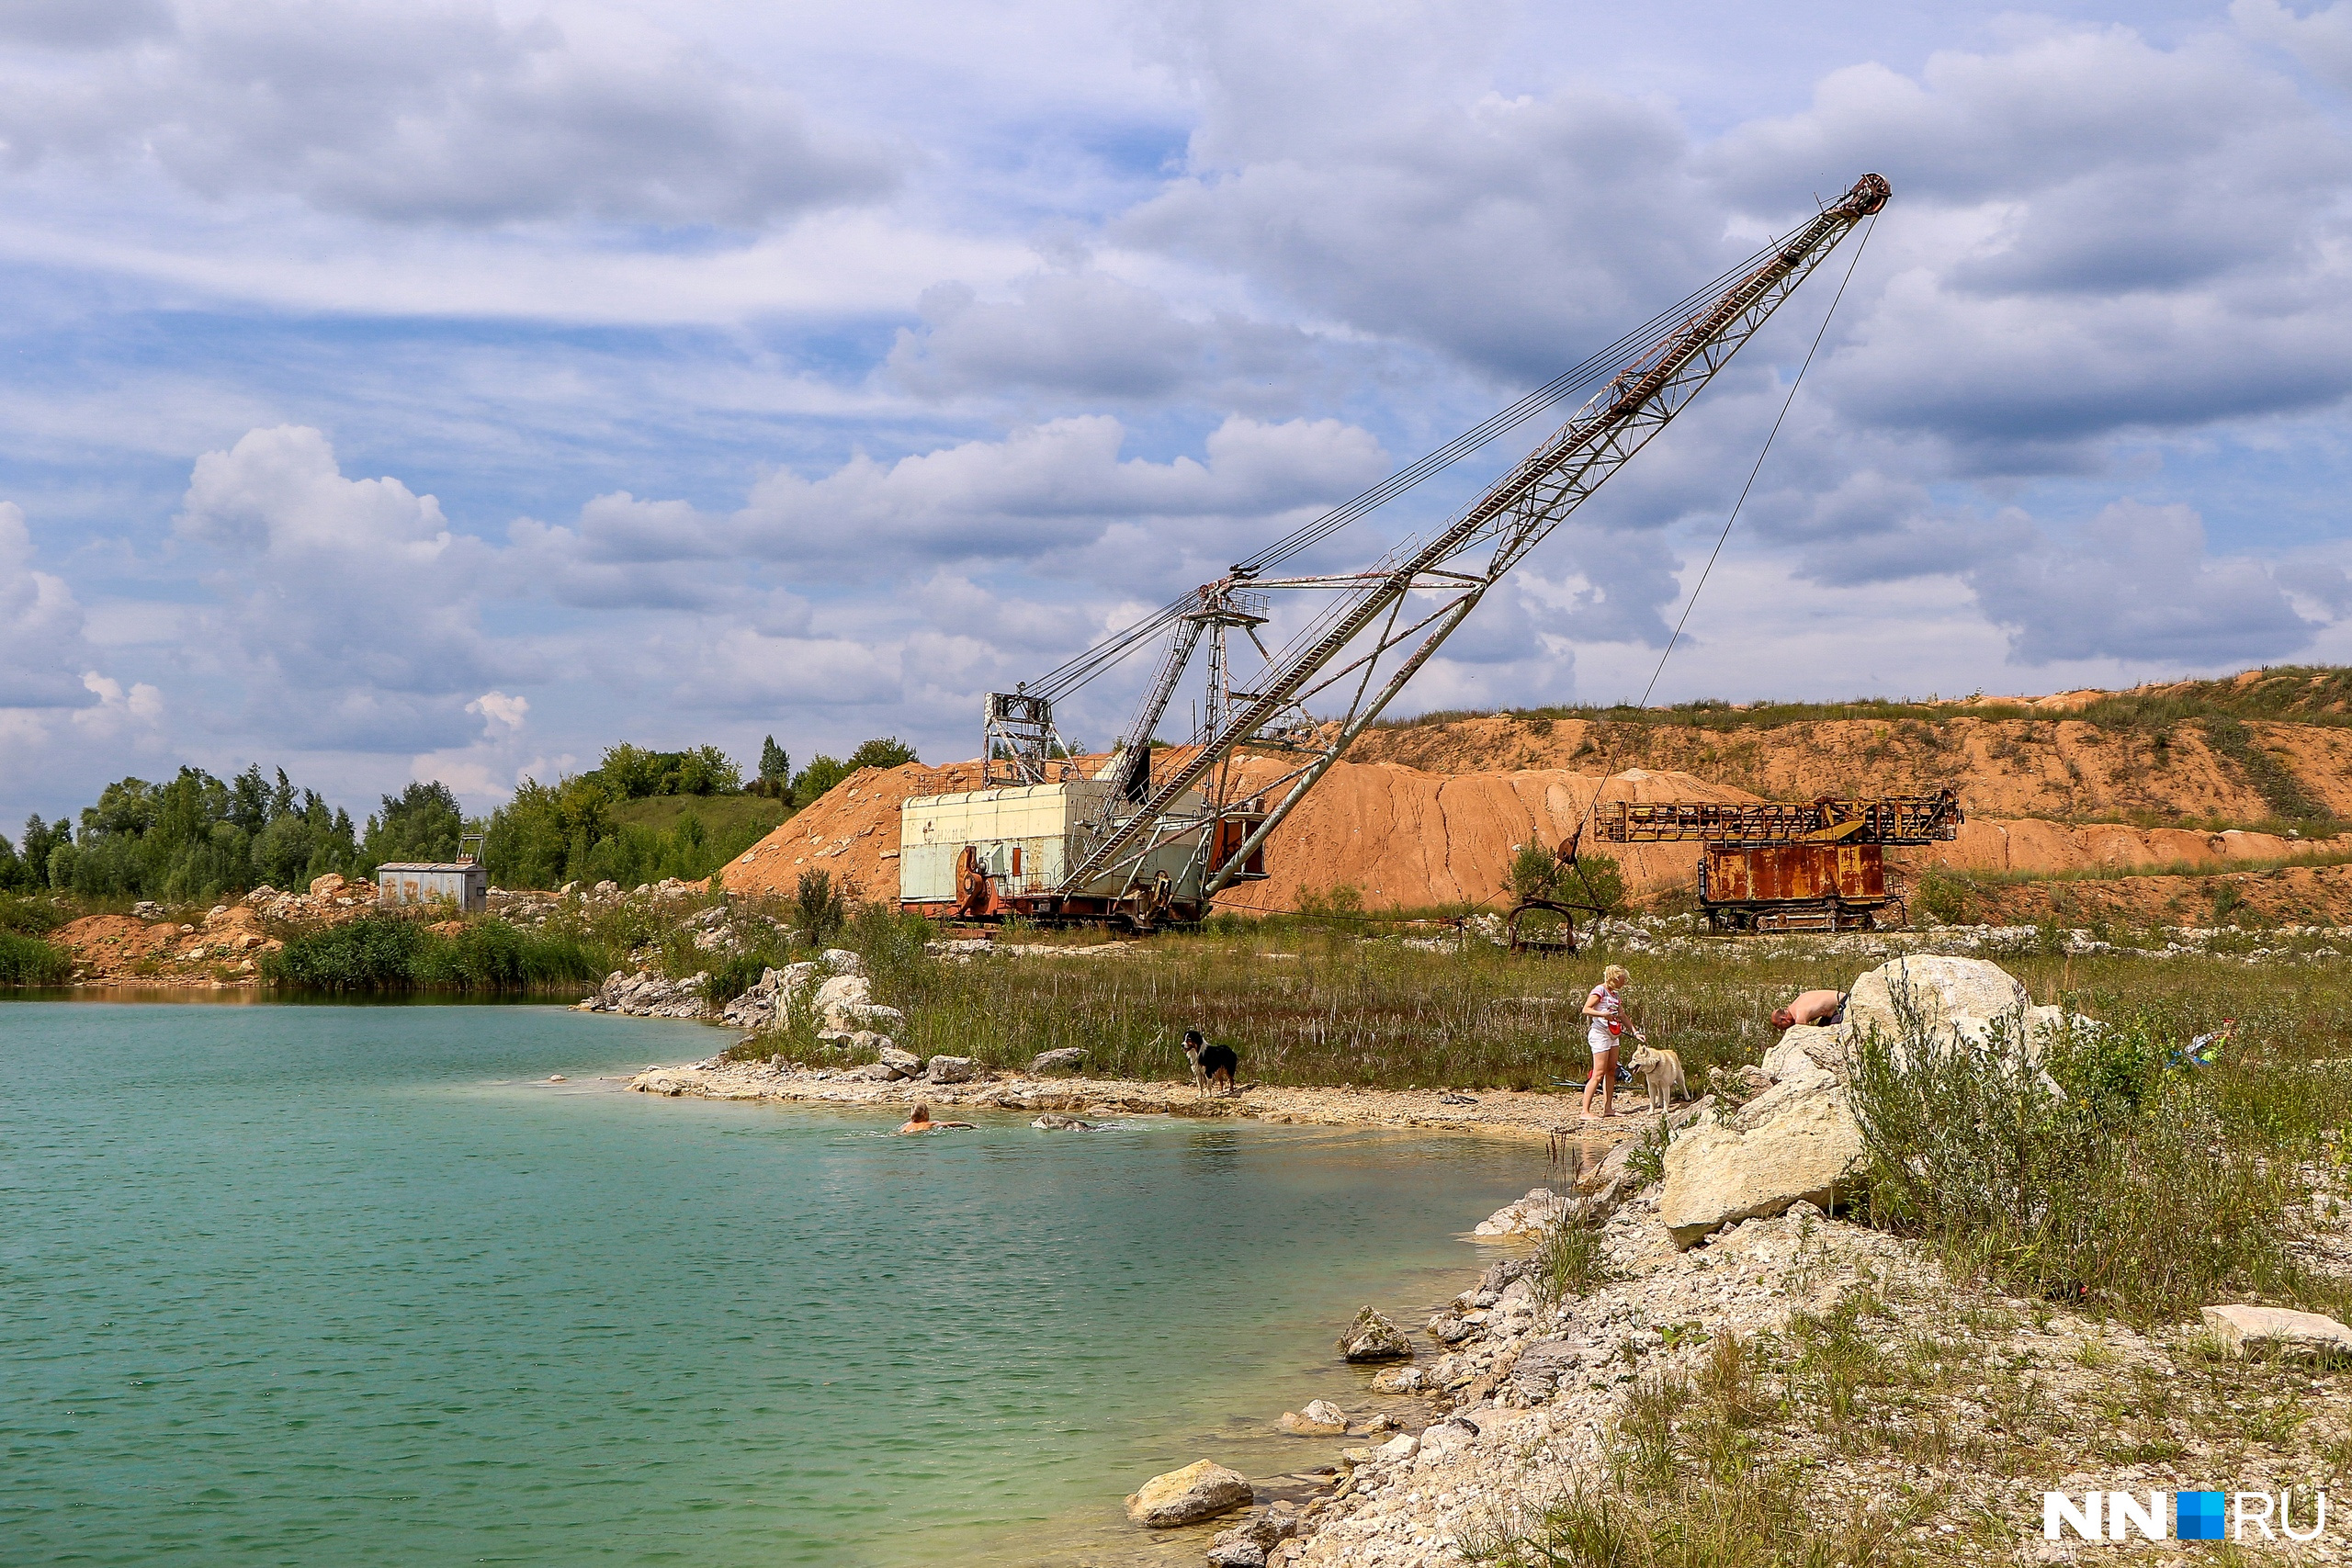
420	389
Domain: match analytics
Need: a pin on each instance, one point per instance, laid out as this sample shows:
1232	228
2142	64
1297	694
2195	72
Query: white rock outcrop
1798	1140
1201	1490
1795	1142
1531	1215
1946	993
2244	1325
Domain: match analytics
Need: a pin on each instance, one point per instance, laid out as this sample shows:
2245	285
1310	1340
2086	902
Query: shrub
372	955
2119	1186
1599	880
1943	897
28	917
822	906
1340	907
29	960
1570	1259
383	953
1533	872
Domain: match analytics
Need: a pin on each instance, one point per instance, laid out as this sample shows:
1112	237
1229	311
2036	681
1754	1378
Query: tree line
195	837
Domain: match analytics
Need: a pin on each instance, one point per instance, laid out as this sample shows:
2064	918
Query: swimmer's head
921	1113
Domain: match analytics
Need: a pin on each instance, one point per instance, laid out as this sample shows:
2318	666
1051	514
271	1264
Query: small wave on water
425	1306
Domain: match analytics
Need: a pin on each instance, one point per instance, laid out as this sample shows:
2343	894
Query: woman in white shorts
1604	1011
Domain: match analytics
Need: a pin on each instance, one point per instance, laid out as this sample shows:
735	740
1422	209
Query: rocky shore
1720	1285
1722	1303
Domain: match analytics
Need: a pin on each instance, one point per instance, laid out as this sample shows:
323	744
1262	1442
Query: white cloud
2135	583
1057	487
42	650
347	606
116	709
500	711
441	112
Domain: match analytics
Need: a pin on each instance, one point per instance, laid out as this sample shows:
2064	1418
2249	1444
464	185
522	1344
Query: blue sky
450	390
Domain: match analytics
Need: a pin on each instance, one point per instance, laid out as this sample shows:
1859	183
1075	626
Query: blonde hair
1615	976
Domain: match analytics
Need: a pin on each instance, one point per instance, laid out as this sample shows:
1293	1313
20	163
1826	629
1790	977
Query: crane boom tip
1870	194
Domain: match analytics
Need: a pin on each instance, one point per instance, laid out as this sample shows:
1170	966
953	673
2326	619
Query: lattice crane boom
1513	515
1188	826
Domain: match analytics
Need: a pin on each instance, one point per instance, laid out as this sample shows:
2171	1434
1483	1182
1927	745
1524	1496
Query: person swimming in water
920	1120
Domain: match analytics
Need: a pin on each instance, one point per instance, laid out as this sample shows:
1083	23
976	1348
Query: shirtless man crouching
1810	1007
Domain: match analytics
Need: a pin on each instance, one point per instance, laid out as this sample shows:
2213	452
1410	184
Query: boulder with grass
1373	1338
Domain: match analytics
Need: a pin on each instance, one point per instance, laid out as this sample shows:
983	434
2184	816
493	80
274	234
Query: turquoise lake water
327	1285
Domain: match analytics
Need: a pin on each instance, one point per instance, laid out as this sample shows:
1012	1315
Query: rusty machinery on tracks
1142	840
1776	865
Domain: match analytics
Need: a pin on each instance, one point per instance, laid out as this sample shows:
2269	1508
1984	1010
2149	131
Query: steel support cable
1633	346
1593	805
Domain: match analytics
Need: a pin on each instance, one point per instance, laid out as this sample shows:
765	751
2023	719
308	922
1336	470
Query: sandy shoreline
1494	1113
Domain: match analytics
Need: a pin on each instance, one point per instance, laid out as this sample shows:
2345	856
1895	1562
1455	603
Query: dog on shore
1212	1064
1661	1074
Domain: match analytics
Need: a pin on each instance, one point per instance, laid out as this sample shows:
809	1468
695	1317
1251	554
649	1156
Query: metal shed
463	882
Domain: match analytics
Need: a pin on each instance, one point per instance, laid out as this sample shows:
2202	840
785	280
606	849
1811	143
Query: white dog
1661	1074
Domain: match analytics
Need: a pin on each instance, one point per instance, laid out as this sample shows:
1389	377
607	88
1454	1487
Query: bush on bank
29	960
383	953
2142	1186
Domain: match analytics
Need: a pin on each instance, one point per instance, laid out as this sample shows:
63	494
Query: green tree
821	774
1597	879
40	840
776	764
888	751
421	823
706	770
631	773
1534	872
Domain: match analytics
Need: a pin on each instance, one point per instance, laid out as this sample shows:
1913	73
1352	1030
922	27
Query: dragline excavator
1152	834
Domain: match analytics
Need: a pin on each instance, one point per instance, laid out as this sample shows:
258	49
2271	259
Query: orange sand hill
2038	848
1405	839
2052	768
2295	895
1412	839
1424	815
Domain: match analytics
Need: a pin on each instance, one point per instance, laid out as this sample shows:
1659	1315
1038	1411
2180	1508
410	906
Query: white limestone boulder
1201	1490
1946	993
1797	1141
1807	1051
2244	1325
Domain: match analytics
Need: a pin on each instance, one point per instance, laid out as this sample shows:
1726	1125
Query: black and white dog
1211	1064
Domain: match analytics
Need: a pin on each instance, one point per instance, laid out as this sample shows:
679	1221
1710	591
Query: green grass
1700	1475
723	816
2090	1170
1338	1009
32	916
29	960
2292	694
